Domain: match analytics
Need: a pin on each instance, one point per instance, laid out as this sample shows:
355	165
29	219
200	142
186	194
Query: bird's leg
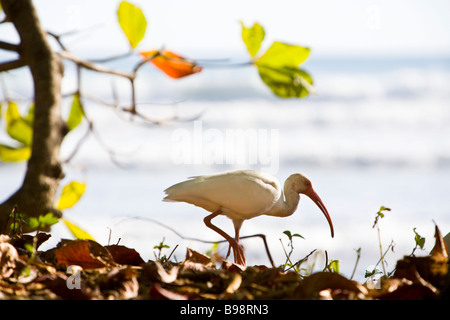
238	253
237	227
229	251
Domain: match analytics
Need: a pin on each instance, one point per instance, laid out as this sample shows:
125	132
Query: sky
331	28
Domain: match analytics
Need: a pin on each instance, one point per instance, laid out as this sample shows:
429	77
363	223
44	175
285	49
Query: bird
241	195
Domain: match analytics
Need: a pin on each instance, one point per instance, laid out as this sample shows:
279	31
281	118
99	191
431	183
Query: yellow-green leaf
10	154
18	127
76	231
286	82
283	55
253	37
70	195
132	21
76	113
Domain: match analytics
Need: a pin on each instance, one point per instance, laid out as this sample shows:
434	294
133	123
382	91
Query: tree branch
94	67
9	46
11	65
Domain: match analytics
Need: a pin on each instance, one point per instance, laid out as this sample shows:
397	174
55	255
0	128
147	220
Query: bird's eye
307	183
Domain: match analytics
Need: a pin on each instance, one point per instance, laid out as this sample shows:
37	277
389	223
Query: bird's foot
239	257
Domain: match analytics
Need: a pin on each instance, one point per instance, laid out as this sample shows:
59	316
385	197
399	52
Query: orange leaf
173	65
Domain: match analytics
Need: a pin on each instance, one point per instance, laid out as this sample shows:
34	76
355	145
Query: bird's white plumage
241	194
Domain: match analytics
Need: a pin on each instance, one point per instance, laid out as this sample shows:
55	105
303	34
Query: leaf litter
118	272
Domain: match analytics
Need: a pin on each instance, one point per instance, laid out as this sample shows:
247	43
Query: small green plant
380	215
289	264
160	247
419	240
332	266
372	272
42	222
19	220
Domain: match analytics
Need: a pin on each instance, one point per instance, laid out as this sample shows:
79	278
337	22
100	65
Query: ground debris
86	270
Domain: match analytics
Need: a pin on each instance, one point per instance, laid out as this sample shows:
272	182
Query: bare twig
78	145
108	59
144	61
381	260
288	258
170	255
358	256
301	260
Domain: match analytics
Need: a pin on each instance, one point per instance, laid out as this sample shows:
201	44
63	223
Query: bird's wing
245	192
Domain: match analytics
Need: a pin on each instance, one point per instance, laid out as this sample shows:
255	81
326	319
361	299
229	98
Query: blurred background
375	133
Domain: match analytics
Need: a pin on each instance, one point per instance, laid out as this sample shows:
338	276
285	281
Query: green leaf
420	241
253	37
76	113
10	154
290	235
334	266
371	273
42	221
161	246
380	212
132	21
33	223
70	195
286	82
76	231
47	220
283	55
18	127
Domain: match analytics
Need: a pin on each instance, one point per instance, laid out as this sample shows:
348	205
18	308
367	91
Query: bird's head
303	185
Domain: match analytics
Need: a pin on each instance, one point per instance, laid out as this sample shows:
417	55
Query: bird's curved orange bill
315	197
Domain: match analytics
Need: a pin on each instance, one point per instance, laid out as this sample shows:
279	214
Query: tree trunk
36	196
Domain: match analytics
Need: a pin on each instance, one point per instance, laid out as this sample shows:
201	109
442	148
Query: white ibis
242	195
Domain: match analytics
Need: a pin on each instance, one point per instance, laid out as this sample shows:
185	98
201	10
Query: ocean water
375	133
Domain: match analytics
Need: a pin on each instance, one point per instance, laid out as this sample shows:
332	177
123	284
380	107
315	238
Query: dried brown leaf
312	286
8	257
120	284
196	261
440	247
85	253
124	255
20	240
159	293
408	291
57	283
232	267
155	272
430	271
